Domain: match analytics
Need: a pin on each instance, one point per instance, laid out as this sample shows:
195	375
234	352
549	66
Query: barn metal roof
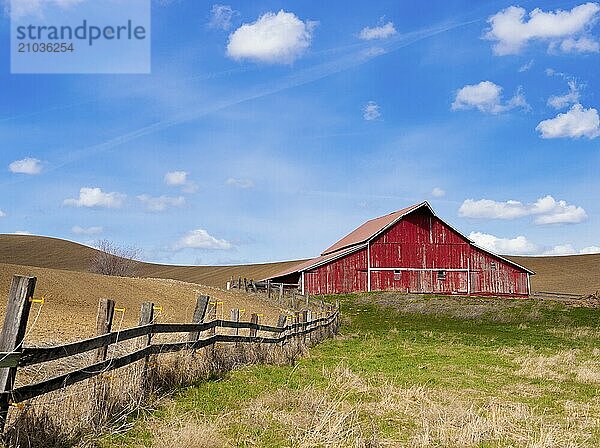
371	228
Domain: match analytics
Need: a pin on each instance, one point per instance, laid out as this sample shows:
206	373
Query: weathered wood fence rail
556	295
285	293
15	356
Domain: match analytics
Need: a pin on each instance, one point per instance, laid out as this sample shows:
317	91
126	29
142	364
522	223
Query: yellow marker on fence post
157	308
120	310
40	301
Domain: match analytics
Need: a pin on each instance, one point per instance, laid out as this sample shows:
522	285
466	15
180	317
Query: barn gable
410	250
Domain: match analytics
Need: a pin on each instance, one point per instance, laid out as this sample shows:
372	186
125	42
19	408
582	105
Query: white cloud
581	45
274	38
160	203
577	122
512	30
180	179
487	97
520	245
526	67
2	214
240	183
371	111
590	250
561	101
27	165
221	17
95	197
200	239
561	249
24	8
378	32
22	232
175	178
509	246
94	230
437	192
546	210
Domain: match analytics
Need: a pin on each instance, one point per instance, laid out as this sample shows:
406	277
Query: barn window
441	275
493	265
397	275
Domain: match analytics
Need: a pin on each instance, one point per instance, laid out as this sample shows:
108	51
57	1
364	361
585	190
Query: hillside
72	300
55	253
578	274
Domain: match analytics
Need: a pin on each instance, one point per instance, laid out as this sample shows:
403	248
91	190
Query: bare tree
114	259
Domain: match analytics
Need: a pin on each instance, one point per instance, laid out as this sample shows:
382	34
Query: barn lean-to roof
318	261
360	237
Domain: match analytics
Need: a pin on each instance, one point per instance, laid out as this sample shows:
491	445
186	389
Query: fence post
268	289
239	282
281	324
211	314
235	317
280	292
297	327
198	317
106	312
303	319
13	333
245	284
146	318
253	320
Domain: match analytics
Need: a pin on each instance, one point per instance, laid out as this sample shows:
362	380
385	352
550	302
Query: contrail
364	54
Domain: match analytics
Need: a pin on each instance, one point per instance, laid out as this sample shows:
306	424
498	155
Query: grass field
579	274
406	371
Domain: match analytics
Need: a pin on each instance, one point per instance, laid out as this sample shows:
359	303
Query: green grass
407	371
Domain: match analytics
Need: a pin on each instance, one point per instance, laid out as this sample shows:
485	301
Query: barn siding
423	241
346	274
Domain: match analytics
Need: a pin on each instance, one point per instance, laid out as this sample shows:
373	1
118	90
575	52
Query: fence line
14	356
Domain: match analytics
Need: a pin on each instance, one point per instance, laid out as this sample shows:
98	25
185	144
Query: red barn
409	250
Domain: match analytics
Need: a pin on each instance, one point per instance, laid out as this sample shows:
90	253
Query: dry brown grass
350	410
573	364
188	432
77	415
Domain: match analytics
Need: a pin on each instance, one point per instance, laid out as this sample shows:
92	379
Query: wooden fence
287	294
557	296
13	355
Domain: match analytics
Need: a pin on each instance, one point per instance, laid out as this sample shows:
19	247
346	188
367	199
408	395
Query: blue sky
267	130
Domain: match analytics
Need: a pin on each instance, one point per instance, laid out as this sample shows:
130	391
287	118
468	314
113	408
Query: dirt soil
71	301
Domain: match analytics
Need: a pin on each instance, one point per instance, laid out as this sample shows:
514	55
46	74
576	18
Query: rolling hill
54	253
579	274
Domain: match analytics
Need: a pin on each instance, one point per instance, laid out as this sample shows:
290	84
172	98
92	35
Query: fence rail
201	332
556	295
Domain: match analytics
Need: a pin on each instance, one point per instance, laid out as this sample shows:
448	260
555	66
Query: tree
114	259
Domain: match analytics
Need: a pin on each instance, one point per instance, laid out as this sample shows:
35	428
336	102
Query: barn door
475	282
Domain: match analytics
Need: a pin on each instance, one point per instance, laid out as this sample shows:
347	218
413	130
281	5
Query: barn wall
346	274
423	241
